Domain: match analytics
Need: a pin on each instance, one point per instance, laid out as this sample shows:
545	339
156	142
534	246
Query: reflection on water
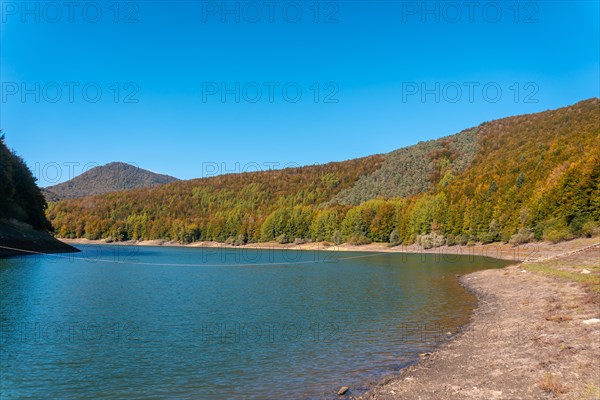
155	322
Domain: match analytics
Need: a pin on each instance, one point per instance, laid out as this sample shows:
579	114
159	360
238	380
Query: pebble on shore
591	321
343	390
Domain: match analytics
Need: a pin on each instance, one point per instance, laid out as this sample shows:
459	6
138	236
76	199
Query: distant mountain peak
112	177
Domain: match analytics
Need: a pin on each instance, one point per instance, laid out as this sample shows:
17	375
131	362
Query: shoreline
20	239
525	252
530	336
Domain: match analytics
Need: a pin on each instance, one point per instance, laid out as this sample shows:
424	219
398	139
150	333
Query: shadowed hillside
23	224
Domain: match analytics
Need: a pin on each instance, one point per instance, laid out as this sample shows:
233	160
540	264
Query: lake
129	322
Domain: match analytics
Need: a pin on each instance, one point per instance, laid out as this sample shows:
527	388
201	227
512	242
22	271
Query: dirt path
527	339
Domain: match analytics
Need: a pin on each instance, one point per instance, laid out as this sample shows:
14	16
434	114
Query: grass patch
552	384
590	281
559	318
592	392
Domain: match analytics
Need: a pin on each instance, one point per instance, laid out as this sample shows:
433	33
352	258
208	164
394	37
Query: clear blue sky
371	58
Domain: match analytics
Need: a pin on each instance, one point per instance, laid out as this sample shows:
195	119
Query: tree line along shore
514	180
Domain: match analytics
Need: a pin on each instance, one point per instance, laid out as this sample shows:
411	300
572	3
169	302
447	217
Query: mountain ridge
111	177
481	184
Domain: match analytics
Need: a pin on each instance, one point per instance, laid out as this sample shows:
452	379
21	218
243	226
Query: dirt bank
533	336
17	239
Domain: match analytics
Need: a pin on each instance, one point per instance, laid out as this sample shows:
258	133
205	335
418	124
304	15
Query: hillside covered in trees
415	169
515	179
23	223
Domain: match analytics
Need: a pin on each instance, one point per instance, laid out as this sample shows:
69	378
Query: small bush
282	239
493	233
505	236
557	235
359	240
337	237
523	236
552	384
471	243
556	231
590	229
92	236
431	240
240	240
462	240
299	241
487	237
576	224
395	239
450	240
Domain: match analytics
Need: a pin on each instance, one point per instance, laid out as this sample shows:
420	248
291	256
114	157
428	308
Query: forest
20	198
516	179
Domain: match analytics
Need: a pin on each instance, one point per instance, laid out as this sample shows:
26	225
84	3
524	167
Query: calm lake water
118	322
